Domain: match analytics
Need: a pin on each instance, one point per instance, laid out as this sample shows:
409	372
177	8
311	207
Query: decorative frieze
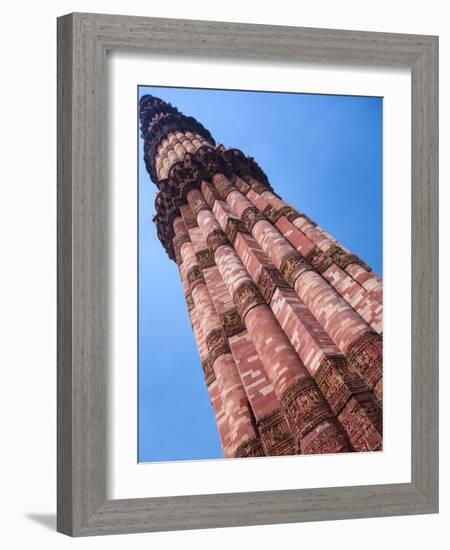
319	260
184	176
342	258
217	344
272	214
216	238
159	119
178	242
268	281
251	216
233	227
166	214
360	423
194	277
211	161
246	297
337	383
290	213
257	186
244	167
190	220
189	301
365	355
292	266
250	448
276	437
231	322
205	258
208	371
327	440
304	406
223	186
198	204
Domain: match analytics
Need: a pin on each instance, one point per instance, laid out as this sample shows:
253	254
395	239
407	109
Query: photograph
260	252
221	284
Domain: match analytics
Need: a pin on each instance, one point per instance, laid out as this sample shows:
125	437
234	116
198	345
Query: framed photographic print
247	274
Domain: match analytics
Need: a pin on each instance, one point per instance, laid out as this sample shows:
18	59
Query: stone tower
287	321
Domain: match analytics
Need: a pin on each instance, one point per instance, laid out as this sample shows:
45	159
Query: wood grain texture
64	266
83	41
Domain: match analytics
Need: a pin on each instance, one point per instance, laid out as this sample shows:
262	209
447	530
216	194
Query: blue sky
323	154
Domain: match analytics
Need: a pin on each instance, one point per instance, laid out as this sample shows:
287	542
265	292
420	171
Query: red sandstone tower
288	322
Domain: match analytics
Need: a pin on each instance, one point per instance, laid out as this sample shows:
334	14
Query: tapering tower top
179	154
163	124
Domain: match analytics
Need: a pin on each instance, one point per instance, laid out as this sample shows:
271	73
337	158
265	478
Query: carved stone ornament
304	406
360	427
290	213
246	297
327	441
216	238
276	436
259	188
166	214
217	344
194	277
344	259
189	301
158	119
205	258
251	216
184	176
244	166
178	242
365	355
208	371
292	266
231	322
251	447
211	161
319	260
269	280
223	186
233	227
272	213
338	383
198	204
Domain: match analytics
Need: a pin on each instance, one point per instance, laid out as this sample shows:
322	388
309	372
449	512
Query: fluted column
275	435
347	329
304	226
352	292
348	395
210	378
221	360
311	420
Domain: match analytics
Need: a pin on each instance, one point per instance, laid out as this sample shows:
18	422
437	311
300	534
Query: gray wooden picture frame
83	42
